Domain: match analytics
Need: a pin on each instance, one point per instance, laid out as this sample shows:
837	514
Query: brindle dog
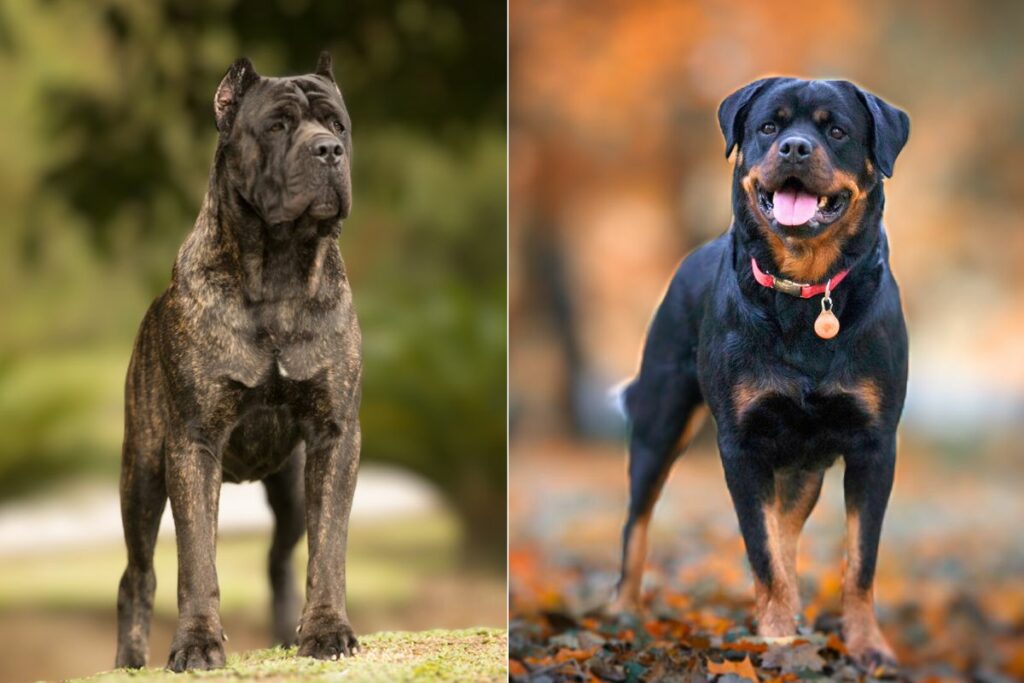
788	329
248	367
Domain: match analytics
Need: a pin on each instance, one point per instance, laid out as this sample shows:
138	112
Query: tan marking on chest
866	392
748	392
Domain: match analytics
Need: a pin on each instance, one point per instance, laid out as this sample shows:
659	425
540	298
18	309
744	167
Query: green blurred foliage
108	139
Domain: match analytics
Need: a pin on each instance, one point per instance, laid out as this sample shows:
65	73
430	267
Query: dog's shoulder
694	278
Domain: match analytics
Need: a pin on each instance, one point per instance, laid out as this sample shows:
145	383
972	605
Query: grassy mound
466	655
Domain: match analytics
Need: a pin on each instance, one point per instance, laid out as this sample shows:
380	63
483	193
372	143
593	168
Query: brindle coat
248	367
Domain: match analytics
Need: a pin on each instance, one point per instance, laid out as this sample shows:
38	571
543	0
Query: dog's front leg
752	487
867	483
193	486
332	459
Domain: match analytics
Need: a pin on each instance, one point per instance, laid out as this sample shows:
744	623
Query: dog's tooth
822	201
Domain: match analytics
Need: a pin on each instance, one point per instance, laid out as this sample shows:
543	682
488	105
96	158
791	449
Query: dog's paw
327	637
621	605
130	656
871	651
196	648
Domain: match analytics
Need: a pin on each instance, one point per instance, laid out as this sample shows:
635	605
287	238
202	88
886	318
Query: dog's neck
285	261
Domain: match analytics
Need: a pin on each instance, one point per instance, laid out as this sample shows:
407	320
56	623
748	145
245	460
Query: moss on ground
479	654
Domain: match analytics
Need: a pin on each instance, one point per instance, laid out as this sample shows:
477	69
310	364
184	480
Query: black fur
717	329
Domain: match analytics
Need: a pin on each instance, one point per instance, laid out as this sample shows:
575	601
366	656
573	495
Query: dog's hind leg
285	494
664	421
664	406
143	498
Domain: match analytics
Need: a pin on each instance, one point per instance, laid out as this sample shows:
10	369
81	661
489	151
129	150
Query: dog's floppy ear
890	128
325	66
732	113
236	81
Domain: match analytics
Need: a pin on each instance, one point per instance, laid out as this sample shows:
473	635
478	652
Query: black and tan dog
789	329
248	367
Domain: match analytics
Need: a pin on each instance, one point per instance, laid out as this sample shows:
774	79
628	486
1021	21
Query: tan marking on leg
745	394
628	598
693	425
863	637
778	605
794	511
869	394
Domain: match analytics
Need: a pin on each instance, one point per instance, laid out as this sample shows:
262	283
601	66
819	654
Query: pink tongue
792	207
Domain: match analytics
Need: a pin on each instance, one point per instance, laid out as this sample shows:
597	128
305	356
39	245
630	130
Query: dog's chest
794	423
296	342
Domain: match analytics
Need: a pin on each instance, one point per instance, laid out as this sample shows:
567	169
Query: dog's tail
619	396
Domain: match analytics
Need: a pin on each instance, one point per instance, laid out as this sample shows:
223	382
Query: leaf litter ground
950	584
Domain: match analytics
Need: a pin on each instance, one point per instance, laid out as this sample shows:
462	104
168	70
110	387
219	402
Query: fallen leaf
743	669
516	668
565	654
793	659
836	644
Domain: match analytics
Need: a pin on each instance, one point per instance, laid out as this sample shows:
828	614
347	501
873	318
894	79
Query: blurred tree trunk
482	510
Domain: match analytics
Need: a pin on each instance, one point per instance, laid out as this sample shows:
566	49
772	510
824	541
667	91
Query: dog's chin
804	221
325	205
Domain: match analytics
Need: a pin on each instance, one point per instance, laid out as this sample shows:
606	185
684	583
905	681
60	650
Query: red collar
794	288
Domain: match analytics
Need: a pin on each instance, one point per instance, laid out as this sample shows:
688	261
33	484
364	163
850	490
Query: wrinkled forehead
299	96
800	99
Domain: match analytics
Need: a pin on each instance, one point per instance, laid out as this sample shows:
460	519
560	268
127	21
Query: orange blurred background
617	170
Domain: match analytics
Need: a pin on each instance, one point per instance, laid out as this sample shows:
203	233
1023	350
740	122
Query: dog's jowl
789	329
248	368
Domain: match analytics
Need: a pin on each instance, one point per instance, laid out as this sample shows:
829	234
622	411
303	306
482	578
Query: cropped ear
890	128
732	113
325	66
232	88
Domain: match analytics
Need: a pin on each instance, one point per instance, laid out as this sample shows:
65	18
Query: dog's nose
328	150
796	149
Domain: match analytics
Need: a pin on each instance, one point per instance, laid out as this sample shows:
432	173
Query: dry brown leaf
565	654
516	668
743	669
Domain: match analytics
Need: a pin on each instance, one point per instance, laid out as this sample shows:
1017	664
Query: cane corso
788	329
248	367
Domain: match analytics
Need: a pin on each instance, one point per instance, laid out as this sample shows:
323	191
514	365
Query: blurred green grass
112	102
386	562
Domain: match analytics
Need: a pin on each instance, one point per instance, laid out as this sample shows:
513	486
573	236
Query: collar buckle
787	286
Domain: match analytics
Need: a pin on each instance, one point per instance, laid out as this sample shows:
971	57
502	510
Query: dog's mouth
794	205
325	205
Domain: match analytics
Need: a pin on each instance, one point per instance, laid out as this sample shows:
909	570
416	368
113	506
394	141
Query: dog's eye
277	127
837	133
768	128
338	126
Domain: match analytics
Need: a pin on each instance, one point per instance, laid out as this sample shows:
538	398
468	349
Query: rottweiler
788	329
